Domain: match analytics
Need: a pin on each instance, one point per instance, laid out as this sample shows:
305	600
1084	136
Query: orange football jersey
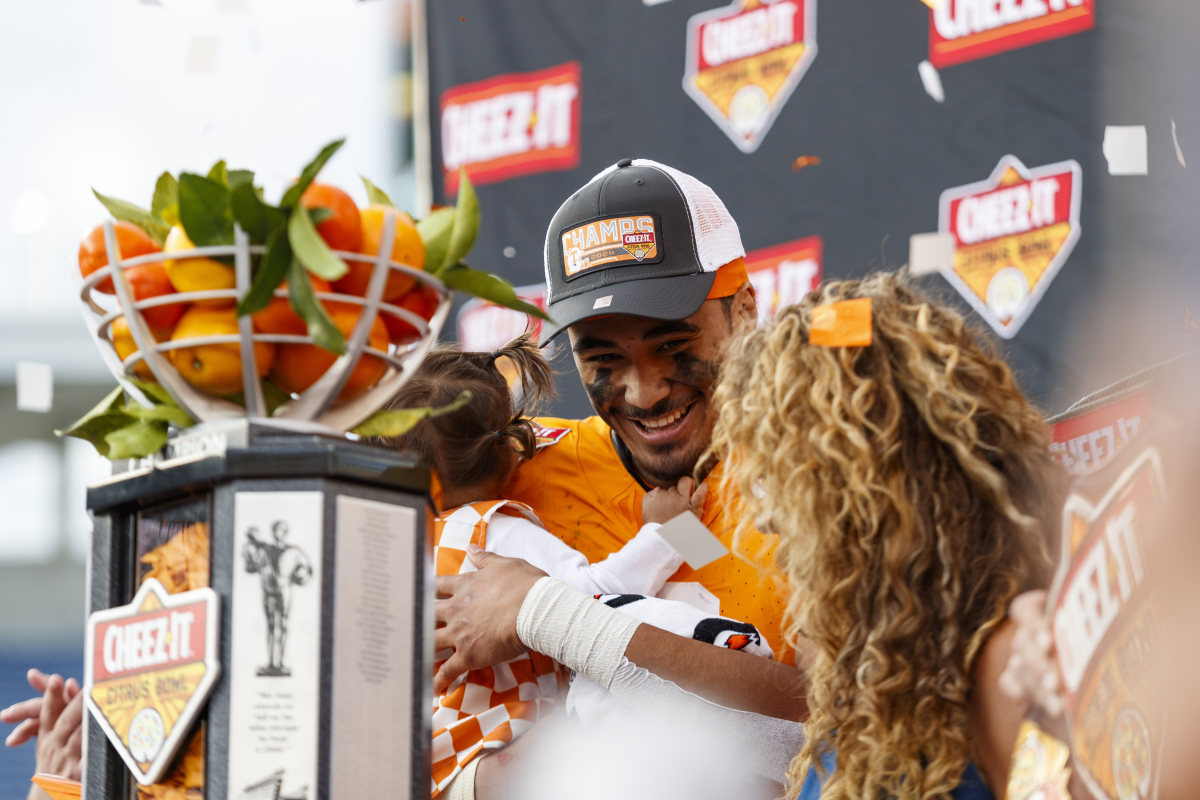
584	495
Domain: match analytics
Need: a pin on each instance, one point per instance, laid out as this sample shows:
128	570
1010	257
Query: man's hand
661	505
477	617
55	718
1031	675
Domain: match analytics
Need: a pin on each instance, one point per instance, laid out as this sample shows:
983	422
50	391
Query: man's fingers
447	585
71	718
442	640
53	704
70	689
19	712
479	557
449	671
22	733
37	679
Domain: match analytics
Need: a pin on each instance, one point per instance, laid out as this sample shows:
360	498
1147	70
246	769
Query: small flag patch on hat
846	323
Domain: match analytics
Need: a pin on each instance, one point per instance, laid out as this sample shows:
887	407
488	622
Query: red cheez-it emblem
511	125
964	30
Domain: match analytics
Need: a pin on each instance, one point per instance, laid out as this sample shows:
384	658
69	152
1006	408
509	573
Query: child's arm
642	566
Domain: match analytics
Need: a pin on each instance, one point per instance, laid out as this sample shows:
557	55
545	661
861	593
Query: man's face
652	381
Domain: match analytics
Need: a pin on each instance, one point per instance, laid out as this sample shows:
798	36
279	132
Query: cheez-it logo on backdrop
744	60
512	125
1012	232
782	274
964	30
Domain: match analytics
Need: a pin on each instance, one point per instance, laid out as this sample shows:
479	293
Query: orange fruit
214	368
343	230
196	274
408	248
123	343
297	366
132	242
423	301
150	280
278	316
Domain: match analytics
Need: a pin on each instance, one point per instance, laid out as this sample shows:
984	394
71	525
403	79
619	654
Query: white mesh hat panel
718	240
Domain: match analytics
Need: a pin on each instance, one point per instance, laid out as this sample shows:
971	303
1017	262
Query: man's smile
664	428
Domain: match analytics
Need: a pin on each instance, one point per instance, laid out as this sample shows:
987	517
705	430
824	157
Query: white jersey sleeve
642	566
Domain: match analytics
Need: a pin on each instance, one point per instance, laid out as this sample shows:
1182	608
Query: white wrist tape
574	629
463	786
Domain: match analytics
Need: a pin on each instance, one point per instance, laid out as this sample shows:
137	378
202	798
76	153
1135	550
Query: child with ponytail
474	451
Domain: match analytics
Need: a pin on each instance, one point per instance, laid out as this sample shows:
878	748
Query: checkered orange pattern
489	707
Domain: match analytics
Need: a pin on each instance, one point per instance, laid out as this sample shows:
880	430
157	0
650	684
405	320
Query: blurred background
109	95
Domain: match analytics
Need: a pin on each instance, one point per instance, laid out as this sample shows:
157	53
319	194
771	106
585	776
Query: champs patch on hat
610	242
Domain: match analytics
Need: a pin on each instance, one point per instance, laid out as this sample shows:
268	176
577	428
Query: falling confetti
931	80
462	19
1125	149
1178	149
805	161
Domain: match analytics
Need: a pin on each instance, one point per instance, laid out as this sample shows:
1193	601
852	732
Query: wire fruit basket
319	407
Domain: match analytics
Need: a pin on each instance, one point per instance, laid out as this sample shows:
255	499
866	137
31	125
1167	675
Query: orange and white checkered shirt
491	707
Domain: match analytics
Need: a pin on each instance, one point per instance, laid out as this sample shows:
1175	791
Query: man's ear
744	313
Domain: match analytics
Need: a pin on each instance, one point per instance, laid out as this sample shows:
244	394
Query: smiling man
645	273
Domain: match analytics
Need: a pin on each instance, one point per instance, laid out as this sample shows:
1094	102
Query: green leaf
304	302
466	223
125	211
143	437
154	392
435	232
292	196
399	421
319	214
310	248
106	417
237	177
166	198
375	195
273	396
162	413
205	210
489	287
257	219
270	273
218	174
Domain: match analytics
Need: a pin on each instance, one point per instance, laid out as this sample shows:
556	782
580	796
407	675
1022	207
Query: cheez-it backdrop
533	97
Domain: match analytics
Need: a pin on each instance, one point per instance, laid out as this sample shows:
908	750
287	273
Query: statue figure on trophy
280	566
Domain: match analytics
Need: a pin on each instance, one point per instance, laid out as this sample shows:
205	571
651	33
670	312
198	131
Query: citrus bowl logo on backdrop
1013	232
511	125
964	30
744	60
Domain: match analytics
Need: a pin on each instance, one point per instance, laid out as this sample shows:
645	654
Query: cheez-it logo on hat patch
610	242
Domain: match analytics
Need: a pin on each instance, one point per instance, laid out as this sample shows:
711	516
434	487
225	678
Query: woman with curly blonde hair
912	487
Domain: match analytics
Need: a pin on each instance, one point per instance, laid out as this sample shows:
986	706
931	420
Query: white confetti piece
1178	149
931	80
202	53
930	252
510	252
1125	148
35	386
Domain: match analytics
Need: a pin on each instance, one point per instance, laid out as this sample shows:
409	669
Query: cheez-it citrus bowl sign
150	667
511	125
1012	232
964	30
744	60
